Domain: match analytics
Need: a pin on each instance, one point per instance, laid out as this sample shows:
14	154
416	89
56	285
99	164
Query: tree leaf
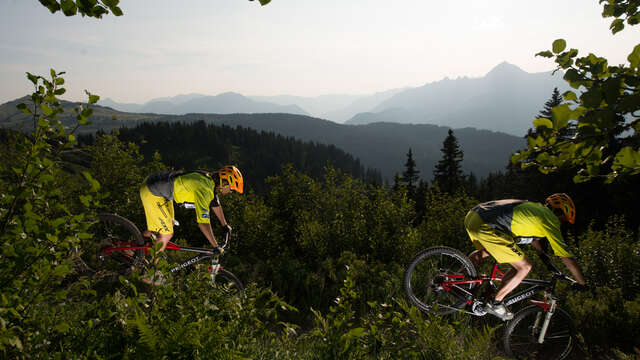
32	78
634	57
95	185
547	54
46	110
69	7
93	98
626	159
617	25
543	122
560	116
592	98
559	46
117	11
24	108
570	96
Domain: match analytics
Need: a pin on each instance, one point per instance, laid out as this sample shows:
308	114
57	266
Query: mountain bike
118	248
442	280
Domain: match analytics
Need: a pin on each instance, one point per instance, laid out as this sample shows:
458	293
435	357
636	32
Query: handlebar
227	235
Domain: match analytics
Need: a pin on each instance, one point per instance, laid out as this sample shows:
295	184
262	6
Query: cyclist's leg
477	256
513	278
476	228
158	212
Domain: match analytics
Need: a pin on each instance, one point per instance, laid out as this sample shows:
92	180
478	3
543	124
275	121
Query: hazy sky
297	47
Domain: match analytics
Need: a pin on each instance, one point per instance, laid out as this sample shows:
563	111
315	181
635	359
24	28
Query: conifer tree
410	176
555	100
448	171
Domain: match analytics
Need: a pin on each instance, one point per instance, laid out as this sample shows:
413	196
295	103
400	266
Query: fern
148	335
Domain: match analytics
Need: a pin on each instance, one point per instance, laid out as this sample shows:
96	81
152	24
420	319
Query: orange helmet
564	203
232	176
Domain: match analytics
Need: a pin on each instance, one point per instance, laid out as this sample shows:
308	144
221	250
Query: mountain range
380	146
225	103
506	99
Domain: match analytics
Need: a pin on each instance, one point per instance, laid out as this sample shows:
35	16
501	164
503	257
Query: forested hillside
259	155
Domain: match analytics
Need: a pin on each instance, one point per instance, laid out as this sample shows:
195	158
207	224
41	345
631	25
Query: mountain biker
194	189
497	227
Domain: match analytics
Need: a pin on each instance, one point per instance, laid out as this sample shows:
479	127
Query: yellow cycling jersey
197	189
524	219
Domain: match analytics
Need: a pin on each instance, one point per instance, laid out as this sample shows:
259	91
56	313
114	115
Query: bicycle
121	248
442	280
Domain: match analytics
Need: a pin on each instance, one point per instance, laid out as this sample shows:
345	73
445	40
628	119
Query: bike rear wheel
112	231
521	335
428	270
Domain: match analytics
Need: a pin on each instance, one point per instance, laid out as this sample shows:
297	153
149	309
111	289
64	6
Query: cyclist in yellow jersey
497	227
197	189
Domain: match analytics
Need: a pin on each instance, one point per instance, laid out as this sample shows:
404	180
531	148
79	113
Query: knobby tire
429	268
521	335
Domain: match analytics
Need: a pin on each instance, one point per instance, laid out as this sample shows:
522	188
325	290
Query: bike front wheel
521	338
227	283
426	276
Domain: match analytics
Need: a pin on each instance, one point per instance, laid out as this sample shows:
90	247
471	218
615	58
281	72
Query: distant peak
230	94
505	68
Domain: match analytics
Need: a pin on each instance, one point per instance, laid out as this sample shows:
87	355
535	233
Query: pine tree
555	100
546	112
410	176
448	172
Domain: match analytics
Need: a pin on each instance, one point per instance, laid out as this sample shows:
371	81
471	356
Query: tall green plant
38	230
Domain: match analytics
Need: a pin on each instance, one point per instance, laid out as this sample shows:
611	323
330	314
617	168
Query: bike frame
496	275
203	253
545	286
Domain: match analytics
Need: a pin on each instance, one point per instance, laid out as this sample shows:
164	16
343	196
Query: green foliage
611	257
604	141
607	320
38	230
443	222
391	330
621	10
90	8
121	171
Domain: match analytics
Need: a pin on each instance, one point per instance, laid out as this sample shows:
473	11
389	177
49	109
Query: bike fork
547	320
213	269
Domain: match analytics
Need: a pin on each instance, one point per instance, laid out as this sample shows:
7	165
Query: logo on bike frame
187	263
520	297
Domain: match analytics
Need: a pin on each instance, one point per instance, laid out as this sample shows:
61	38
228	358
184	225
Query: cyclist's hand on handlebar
576	286
227	228
220	250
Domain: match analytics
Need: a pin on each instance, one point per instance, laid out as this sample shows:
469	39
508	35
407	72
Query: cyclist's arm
569	262
219	214
208	233
573	266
